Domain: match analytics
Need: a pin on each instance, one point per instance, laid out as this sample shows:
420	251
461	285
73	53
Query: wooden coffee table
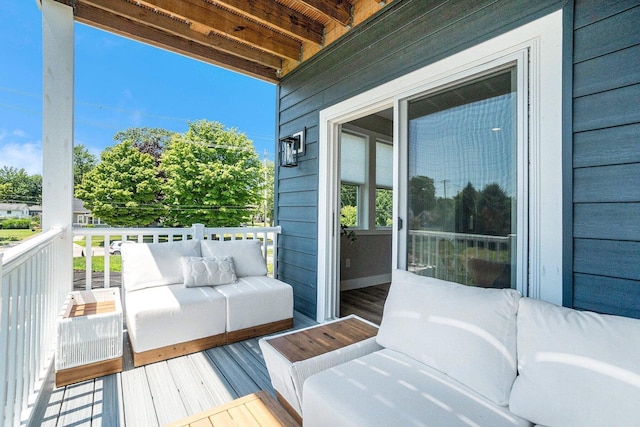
292	357
257	409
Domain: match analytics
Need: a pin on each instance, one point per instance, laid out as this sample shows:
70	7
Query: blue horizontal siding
606	157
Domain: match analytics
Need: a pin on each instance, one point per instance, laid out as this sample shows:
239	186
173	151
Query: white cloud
26	155
20	133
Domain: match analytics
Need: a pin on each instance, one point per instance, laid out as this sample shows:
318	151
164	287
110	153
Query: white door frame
542	41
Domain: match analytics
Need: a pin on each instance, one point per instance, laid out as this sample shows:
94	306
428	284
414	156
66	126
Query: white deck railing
443	254
30	299
267	235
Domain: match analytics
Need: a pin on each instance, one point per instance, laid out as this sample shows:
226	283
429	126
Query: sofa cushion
198	271
168	315
576	368
466	332
246	254
256	300
387	388
146	265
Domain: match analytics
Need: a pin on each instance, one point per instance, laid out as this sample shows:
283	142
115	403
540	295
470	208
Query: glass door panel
462	165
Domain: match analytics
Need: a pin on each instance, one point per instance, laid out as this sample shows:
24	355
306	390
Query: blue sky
119	84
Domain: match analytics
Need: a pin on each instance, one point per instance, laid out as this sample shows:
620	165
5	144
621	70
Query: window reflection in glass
463	182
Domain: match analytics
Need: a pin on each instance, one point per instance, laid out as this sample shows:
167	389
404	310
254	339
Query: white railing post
198	231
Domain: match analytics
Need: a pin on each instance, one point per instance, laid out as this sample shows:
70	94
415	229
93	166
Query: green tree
213	176
494	211
466	203
384	207
348	216
150	141
18	186
268	173
83	162
422	194
123	188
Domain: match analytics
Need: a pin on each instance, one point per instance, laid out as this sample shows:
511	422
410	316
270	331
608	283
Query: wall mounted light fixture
291	147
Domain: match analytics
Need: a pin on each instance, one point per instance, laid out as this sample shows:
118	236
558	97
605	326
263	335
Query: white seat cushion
247	255
145	265
466	332
167	315
387	388
576	368
256	300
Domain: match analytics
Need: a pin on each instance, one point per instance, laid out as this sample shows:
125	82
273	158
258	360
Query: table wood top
89	308
321	339
258	409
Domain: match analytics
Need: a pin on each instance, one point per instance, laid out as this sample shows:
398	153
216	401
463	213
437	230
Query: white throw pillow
145	265
466	332
246	254
576	368
212	271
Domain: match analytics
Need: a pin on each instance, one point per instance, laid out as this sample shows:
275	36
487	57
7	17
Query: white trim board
542	41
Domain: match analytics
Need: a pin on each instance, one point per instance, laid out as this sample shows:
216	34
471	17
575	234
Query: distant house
14	210
35	210
82	216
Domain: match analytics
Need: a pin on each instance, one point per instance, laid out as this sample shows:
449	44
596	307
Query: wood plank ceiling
261	38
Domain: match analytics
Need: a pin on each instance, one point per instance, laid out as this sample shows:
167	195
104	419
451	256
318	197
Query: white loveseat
183	297
463	356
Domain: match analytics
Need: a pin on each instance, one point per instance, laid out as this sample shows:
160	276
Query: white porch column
57	129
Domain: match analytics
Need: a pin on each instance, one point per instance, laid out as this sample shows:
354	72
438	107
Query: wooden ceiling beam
273	14
111	22
339	10
231	25
162	22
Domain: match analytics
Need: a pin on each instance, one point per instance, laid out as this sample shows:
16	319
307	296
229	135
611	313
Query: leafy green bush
16	224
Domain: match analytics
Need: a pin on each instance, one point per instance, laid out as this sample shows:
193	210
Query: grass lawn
97	263
11	236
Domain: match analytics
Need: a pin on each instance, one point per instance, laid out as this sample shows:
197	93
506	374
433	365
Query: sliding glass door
462	185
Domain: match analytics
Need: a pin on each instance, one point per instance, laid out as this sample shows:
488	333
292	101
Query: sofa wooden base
176	350
181	349
85	372
260	330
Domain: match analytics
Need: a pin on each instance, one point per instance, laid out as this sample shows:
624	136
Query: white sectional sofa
183	297
461	356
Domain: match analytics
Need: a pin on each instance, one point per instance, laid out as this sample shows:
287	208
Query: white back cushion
145	265
466	332
198	271
576	368
246	254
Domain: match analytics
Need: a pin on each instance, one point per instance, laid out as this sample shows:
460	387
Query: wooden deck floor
365	302
163	392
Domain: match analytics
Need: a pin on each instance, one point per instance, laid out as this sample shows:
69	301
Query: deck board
77	406
165	393
139	410
107	402
240	381
162	392
212	379
194	394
